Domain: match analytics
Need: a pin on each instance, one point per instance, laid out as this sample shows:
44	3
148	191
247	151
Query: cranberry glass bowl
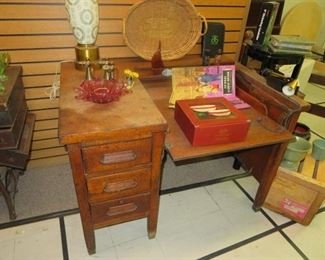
100	91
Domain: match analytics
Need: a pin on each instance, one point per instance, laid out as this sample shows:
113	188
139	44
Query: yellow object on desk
130	77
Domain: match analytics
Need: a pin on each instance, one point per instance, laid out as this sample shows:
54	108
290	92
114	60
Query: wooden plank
45	11
43	162
221	12
117	2
46	124
228	48
42	104
130	2
295	196
43	144
46	114
41	11
50	27
54	41
53	27
43	92
220	2
45	153
67	41
46	134
38	81
45	67
19	56
232	37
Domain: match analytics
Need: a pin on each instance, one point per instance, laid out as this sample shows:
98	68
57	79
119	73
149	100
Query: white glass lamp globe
84	20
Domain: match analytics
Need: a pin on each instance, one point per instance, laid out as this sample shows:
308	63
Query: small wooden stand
295	196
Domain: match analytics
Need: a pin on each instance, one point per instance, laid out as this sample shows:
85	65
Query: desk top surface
263	131
82	121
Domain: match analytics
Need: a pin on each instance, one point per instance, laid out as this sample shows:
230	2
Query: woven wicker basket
175	23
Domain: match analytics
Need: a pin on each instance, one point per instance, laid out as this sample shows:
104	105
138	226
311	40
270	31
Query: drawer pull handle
121	209
118	157
119	186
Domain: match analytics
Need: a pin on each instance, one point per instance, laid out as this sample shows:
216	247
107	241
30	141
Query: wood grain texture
38	36
119	157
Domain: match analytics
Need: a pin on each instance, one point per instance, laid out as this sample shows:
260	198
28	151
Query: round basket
175	23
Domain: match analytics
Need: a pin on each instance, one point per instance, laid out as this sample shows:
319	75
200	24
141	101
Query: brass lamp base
86	52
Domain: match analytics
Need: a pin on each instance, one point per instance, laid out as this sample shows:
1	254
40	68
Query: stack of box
16	129
16	125
290	44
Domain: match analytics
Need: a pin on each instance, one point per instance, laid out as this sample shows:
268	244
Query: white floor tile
273	246
250	185
315	123
233	221
194	238
181	207
314	93
227	195
76	243
191	224
36	241
7	243
7	247
128	231
141	248
310	239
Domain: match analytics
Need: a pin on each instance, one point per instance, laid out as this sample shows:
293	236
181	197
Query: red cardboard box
222	124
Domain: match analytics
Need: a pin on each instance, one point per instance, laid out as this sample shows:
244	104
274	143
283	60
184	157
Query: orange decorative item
101	91
156	61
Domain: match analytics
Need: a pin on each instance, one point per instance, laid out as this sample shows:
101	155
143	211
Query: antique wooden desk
91	131
115	152
273	117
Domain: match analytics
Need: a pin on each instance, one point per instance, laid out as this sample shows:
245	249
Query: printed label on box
295	208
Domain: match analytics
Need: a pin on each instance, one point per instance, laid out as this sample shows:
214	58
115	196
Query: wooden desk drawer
117	155
118	185
121	210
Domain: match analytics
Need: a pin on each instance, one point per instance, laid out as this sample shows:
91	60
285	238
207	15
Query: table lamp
84	20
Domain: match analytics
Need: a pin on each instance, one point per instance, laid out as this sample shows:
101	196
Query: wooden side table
115	152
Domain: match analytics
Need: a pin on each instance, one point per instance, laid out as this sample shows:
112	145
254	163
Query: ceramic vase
84	20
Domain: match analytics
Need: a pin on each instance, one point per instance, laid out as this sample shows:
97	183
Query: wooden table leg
158	141
9	201
81	190
236	165
264	163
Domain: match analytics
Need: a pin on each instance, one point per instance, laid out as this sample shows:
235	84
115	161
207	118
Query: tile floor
208	222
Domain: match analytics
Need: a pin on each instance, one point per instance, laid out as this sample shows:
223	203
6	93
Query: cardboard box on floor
296	195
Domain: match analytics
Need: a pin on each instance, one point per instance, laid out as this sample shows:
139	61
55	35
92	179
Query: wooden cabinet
115	152
16	130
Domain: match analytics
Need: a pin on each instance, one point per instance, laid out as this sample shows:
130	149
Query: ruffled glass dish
101	91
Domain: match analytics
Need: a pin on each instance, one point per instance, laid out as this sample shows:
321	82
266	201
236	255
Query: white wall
288	4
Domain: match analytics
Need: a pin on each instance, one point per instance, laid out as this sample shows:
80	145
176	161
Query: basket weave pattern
173	22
